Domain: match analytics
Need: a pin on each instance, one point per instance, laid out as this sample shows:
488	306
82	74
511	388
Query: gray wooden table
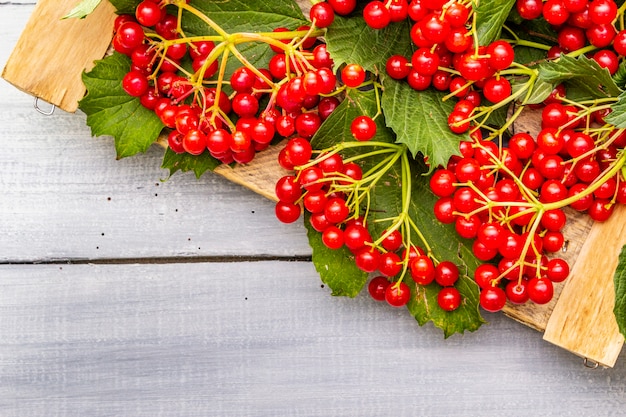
122	294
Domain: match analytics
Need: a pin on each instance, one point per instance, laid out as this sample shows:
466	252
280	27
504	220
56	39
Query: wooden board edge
583	322
30	68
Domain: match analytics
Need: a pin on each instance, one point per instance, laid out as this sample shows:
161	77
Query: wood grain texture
65	196
40	63
583	321
263	339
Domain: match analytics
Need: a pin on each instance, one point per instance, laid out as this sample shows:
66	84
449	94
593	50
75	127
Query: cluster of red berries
509	200
447	59
298	85
325	188
579	23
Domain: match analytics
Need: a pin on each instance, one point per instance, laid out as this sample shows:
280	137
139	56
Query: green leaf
111	111
386	201
420	121
239	16
125	6
424	308
336	267
620	76
243	15
527	56
350	40
82	9
186	162
582	73
490	16
617	117
619	280
541	91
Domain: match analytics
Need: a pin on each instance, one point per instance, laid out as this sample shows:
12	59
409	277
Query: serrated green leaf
582	73
185	162
490	16
464	318
617	117
419	120
82	9
619	280
350	40
386	201
620	76
112	112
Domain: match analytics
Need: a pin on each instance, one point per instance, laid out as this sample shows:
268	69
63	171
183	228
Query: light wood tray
51	55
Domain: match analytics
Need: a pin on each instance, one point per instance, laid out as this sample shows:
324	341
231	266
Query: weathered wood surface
141	322
263	339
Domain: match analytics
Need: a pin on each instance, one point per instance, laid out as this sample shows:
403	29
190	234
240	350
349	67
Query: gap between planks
163	260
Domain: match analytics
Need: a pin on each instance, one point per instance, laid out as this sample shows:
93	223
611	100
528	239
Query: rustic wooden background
122	294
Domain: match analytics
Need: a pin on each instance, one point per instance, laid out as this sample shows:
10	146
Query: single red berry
287	189
352	75
517	291
336	210
390	264
393	241
135	84
446	273
397	67
194	142
497	89
501	54
492	299
449	298
287	212
540	290
322	14
363	128
332	237
377	287
422	270
376	15
398	294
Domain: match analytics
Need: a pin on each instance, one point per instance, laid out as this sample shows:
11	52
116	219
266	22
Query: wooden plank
65	196
262	339
583	321
34	66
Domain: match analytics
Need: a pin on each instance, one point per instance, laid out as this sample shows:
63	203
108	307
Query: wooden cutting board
51	55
